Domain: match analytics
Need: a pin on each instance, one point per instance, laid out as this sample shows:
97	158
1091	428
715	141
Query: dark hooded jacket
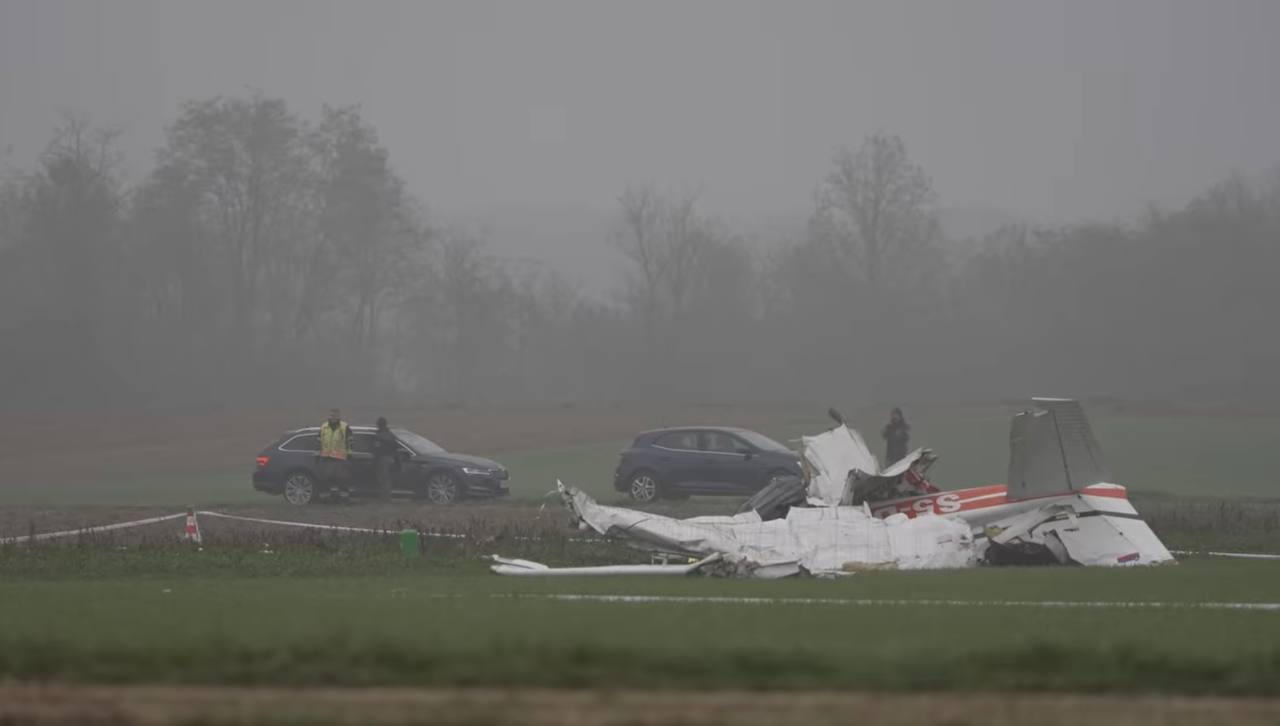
896	434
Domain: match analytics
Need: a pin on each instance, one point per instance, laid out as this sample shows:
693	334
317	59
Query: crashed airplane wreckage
847	515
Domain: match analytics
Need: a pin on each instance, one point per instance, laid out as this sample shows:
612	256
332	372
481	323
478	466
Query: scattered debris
813	540
776	499
1059	505
848	515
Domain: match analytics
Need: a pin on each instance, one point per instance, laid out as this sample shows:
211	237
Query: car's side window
679	440
362	443
302	442
720	442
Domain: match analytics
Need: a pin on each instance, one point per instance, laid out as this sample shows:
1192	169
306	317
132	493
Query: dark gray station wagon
423	469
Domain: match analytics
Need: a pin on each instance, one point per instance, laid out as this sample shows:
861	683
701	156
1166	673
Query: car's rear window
762	442
302	442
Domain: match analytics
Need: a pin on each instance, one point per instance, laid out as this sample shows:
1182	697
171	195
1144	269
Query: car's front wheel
643	487
443	488
299	488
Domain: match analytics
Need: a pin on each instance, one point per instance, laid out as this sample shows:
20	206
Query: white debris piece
527	568
830	456
820	540
1085	530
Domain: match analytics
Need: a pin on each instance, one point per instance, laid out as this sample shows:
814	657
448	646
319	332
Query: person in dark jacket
384	456
896	434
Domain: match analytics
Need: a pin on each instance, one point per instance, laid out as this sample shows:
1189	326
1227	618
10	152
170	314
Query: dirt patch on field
160	705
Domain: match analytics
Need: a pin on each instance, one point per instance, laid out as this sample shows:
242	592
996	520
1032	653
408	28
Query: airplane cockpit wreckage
847	514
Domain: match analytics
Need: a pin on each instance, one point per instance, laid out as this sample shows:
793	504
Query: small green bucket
410	543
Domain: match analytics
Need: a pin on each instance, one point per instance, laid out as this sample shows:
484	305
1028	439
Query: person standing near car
896	435
335	450
384	456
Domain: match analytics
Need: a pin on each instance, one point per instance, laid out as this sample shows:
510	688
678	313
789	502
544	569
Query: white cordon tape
258	520
1244	555
168	517
338	528
90	530
1237	555
1085	604
330	528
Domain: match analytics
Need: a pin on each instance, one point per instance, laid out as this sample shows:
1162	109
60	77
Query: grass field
433	625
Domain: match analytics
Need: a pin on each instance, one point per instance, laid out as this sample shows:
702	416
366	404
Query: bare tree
168	258
364	216
641	243
461	321
663	240
248	160
877	202
64	223
686	239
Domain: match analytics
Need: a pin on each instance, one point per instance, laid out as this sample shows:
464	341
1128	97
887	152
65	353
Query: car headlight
476	472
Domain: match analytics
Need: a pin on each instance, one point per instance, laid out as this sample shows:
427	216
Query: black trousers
334	474
382	470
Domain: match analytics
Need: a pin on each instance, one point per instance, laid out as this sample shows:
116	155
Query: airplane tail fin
1052	450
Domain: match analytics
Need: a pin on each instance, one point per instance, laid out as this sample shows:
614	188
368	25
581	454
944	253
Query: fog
614	201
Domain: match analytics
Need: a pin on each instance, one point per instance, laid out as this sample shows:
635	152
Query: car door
731	463
679	461
362	476
406	474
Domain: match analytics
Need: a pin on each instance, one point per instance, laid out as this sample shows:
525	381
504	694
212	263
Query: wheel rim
644	488
442	489
298	489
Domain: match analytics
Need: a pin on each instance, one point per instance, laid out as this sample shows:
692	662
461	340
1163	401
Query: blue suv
674	463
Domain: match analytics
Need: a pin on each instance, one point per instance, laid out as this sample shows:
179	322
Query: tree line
268	257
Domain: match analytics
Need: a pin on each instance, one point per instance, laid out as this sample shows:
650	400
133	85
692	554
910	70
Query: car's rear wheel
643	487
443	488
299	488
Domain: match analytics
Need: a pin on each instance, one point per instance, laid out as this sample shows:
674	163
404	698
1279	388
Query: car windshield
419	444
762	442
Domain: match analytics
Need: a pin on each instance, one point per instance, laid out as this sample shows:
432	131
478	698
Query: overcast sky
1048	110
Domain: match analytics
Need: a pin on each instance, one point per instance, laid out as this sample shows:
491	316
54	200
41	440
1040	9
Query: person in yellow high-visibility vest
335	450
